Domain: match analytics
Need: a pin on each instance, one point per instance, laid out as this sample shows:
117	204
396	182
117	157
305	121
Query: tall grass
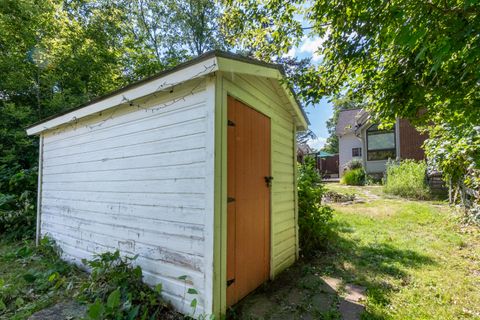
407	179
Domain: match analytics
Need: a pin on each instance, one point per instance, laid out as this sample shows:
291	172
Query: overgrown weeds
115	290
407	179
32	278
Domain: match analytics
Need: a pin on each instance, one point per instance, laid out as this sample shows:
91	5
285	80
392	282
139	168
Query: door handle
268	181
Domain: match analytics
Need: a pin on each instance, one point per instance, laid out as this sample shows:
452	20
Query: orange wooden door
248	232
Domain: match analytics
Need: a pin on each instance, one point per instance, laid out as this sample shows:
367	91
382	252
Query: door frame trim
223	90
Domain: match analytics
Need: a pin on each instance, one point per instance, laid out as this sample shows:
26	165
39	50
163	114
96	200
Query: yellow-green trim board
260	94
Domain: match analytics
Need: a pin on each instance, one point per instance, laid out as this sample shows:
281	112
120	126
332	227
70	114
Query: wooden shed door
248	232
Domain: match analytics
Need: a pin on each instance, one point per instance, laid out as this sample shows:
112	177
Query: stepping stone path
351	307
306	297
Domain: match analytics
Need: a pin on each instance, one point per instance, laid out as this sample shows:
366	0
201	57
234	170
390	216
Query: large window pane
381	141
380	155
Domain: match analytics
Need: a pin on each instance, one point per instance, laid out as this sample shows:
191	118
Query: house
361	139
193	170
303	150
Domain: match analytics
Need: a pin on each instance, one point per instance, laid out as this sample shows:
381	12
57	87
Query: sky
318	114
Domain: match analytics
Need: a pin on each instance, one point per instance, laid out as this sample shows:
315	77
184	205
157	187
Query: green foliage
58	54
401	56
33	277
17	208
418	60
407	179
313	217
354	177
115	290
455	151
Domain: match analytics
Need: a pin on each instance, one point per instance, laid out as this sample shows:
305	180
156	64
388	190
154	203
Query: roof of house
304	148
202	65
349	121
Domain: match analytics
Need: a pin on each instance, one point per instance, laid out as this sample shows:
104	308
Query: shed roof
348	121
200	66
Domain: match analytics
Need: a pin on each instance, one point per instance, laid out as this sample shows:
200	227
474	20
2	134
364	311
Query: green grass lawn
414	257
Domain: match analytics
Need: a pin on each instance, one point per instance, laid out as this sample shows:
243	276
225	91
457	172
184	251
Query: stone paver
355	293
334	283
305	298
61	311
322	302
257	307
350	310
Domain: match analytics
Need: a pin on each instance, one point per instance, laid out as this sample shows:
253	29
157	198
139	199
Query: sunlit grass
414	257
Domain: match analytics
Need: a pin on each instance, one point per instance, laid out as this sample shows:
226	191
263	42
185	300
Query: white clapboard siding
135	180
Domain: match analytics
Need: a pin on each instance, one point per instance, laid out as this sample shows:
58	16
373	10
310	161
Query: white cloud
311	46
317	143
291	53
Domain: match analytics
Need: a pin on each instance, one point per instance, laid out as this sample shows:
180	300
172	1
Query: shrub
313	217
353	164
407	179
115	290
17	205
355	177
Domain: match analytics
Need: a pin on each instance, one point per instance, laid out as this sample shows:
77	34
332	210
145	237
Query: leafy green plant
115	290
355	177
313	217
33	277
407	179
17	206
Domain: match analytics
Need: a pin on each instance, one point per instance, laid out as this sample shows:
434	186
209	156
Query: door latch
268	181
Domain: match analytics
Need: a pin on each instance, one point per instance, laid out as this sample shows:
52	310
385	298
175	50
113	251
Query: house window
380	143
356	152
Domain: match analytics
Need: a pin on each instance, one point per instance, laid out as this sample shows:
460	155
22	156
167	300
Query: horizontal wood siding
263	95
135	179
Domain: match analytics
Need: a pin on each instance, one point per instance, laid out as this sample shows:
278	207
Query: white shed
193	169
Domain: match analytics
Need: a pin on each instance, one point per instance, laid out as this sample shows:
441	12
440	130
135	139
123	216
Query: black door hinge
230	199
230	282
231	123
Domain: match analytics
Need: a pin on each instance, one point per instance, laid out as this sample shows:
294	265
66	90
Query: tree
339	104
56	54
418	60
415	53
161	34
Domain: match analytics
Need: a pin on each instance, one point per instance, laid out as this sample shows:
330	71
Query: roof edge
214	54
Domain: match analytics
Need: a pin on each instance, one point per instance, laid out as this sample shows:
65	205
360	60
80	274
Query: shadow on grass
301	293
371	266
